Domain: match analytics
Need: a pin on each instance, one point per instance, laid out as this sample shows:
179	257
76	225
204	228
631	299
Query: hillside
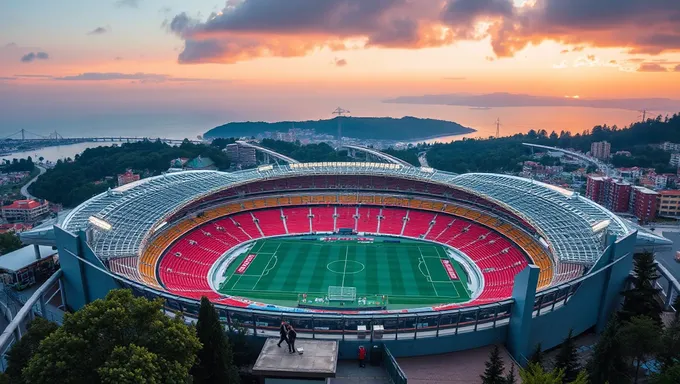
380	128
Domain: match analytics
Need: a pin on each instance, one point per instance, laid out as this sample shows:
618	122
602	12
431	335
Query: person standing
292	335
283	331
362	357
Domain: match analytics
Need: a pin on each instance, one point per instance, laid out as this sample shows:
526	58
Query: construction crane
498	127
340	112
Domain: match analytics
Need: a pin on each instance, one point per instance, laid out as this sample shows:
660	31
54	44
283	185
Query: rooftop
670	192
23	257
23	204
319	360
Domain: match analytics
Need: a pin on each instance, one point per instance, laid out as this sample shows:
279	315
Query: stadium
421	260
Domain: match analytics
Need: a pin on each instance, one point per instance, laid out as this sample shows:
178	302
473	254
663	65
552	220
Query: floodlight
99	223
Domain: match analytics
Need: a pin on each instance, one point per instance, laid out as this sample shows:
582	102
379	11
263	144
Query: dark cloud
117	58
32	56
98	31
651	67
7	78
11	45
247	29
127	3
501	100
139	76
340	62
677	68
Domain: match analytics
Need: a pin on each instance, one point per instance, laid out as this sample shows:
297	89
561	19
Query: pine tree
640	339
493	374
537	356
567	359
510	378
608	363
641	298
215	359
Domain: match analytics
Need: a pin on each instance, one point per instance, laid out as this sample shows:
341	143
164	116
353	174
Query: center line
345	270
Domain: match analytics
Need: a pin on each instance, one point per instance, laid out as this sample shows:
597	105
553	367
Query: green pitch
410	273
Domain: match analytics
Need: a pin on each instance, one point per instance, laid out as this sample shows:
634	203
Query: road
24	189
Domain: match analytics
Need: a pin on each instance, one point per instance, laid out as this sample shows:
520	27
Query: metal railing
392	367
36	304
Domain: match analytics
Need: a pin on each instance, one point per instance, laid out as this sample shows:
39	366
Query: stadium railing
393	369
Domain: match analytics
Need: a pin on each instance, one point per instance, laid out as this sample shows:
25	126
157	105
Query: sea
192	125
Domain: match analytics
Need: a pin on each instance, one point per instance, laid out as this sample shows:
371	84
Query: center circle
345	266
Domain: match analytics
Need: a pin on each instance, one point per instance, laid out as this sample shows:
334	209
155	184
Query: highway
24	189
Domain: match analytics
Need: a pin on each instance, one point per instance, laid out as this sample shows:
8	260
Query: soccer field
410	273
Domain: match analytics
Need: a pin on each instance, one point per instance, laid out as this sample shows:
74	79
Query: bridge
599	164
267	152
25	136
375	153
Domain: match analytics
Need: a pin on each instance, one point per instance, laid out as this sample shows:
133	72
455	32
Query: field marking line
428	272
344	272
265	267
250	250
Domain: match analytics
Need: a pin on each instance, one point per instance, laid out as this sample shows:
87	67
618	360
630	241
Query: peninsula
368	128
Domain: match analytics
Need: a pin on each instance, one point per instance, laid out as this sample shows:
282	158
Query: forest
20	165
71	182
507	153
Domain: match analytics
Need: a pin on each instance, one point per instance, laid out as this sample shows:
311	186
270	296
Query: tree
22	351
87	347
669	346
567	359
9	242
537	356
215	362
534	374
510	378
671	375
131	365
608	364
641	298
640	338
493	374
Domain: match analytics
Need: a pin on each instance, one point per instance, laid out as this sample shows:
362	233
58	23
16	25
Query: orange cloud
247	29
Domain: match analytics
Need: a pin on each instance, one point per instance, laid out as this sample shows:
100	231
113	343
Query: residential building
25	210
669	203
675	159
670	147
595	188
611	193
241	155
644	203
127	177
617	196
600	149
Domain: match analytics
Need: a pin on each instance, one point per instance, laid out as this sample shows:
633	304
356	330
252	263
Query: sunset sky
115	55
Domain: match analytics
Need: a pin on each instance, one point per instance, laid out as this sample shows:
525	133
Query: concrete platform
319	360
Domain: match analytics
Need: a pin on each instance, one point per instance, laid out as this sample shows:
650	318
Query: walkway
24	189
348	372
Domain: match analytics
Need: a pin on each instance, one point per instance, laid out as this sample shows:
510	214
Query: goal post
336	293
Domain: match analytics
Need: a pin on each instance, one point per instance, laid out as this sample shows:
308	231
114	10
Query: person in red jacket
362	357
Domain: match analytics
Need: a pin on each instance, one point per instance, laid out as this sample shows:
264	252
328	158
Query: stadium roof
565	219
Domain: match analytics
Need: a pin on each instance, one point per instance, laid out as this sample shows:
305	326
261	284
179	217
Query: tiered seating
392	220
270	222
368	219
217	230
245	221
418	223
126	266
323	219
567	272
345	217
297	219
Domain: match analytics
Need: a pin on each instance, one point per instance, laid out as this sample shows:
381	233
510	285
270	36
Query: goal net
336	293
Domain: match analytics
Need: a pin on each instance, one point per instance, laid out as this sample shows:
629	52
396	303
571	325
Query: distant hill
380	128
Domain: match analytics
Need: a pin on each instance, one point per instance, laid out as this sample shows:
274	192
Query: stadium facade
576	255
